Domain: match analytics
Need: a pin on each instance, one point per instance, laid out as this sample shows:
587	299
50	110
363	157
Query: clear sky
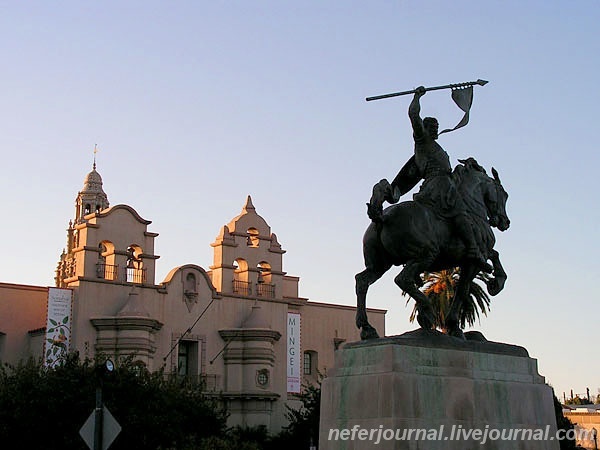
196	104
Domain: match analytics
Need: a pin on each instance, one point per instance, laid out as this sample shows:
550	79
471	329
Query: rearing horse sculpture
411	234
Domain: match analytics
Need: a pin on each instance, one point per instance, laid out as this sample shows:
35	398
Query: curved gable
128	208
171	275
247	219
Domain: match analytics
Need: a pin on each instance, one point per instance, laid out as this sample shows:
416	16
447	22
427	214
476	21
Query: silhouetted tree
440	287
154	410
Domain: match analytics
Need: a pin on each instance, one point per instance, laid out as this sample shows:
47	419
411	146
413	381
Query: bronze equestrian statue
448	224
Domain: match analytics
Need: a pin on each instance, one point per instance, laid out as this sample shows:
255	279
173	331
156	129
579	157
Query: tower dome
92	182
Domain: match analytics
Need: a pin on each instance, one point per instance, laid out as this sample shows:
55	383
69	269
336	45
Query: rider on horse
438	191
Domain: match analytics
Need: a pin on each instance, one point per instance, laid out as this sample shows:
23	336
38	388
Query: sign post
101	428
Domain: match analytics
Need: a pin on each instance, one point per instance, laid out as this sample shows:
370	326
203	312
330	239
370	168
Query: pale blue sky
195	105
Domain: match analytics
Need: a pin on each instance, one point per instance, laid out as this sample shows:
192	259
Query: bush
303	428
155	411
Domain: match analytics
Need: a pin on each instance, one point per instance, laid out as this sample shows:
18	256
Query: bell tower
90	199
247	258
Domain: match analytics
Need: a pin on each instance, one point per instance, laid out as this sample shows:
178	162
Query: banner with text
293	353
58	325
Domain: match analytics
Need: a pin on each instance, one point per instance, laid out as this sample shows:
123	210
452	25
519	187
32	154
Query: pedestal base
425	390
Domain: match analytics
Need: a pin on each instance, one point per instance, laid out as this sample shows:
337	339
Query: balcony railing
106	271
265	290
242	287
133	275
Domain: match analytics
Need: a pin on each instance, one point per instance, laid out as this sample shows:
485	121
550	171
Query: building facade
240	326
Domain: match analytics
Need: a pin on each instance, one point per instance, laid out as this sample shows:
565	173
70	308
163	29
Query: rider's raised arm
414	113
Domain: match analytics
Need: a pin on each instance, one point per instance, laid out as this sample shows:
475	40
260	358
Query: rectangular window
307	363
187	359
183	359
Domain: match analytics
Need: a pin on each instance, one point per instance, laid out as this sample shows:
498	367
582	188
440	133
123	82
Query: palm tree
439	287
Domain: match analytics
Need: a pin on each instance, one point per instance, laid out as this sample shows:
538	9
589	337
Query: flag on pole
463	97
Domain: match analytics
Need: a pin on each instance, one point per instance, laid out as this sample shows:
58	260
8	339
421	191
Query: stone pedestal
452	394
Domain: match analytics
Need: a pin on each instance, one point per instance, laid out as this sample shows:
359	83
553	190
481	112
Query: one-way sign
110	429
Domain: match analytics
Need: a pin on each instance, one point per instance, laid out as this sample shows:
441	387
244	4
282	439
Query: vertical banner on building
58	325
293	353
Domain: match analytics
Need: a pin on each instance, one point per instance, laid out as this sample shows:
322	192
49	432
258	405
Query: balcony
133	275
265	290
106	271
242	287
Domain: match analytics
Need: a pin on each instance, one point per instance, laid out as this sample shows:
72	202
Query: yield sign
110	429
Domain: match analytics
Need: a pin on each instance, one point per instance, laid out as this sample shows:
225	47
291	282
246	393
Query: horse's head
496	203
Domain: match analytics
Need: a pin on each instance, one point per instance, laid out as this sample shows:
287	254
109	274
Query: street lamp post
595	436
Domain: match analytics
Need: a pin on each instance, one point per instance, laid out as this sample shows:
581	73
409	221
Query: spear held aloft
435	88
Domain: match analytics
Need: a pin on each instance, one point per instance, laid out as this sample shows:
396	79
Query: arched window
252	240
264	272
87	209
101	252
241	285
241	269
134	257
105	267
135	271
264	287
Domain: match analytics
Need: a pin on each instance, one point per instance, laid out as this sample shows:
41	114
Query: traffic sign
110	429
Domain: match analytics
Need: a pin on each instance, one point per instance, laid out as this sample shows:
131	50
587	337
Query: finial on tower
249	206
95	151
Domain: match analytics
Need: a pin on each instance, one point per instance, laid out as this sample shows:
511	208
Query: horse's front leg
496	284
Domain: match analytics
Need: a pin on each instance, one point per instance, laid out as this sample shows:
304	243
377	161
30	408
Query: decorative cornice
82	225
126	323
148	256
23	287
250	334
125	345
250	355
121	283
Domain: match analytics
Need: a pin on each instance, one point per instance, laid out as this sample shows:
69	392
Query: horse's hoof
494	287
368	333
